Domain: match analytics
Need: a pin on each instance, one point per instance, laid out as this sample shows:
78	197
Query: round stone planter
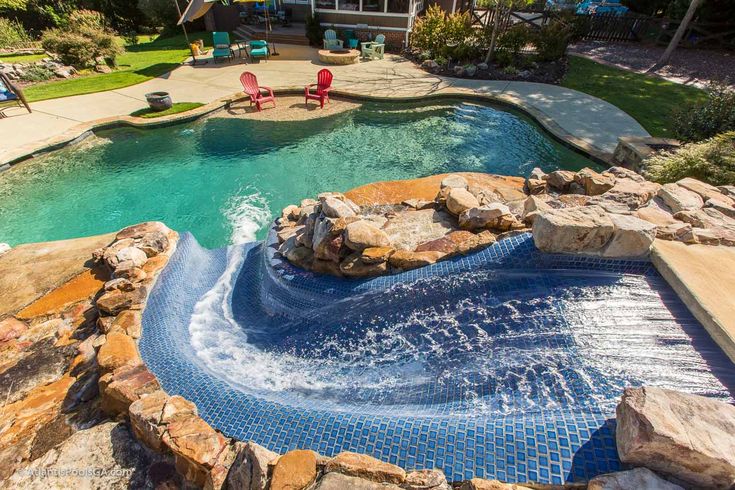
159	101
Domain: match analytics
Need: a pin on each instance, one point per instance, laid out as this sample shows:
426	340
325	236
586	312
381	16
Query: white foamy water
247	213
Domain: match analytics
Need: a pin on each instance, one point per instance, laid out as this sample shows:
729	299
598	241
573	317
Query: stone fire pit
338	56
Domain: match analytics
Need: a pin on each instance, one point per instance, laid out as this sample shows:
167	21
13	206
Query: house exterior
392	18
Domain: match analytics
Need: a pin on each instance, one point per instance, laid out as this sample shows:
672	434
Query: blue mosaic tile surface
555	426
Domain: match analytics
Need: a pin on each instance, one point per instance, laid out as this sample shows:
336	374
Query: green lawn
21	58
139	63
149	113
649	100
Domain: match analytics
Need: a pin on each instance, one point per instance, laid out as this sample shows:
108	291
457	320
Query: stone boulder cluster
20	71
335	236
617	213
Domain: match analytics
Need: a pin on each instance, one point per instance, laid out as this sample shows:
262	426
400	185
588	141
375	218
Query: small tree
501	8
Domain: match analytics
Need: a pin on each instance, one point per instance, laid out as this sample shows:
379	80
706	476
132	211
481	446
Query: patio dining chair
323	86
222	46
374	49
258	49
351	39
255	92
331	41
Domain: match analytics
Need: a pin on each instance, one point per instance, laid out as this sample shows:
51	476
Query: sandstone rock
430	65
560	179
119	350
295	470
679	199
113	302
132	255
119	284
124	386
367	467
291	212
630	193
468	242
444	244
641	478
145	419
326	267
706	236
459	200
426	480
408	229
354	266
249	471
454	181
537	174
686	436
725	207
335	208
419	203
594	183
534	205
585	229
727	190
675	231
705	191
480	484
577	189
361	235
624	173
131	273
404	259
489	216
536	186
195	445
656	212
128	322
337	481
632	237
376	255
298	255
287	232
153	243
137	231
11	328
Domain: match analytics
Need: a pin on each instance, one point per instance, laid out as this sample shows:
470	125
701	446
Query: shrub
12	34
37	73
551	41
80	47
428	32
314	31
711	161
510	43
445	35
715	115
80	20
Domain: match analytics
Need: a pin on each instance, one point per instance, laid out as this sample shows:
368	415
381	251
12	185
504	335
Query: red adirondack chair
251	87
323	86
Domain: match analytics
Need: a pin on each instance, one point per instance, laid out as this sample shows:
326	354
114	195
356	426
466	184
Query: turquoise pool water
223	179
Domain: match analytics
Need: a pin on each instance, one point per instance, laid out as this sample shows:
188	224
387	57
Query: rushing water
223	179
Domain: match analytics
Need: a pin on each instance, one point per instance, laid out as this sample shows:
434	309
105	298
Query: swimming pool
223	179
506	363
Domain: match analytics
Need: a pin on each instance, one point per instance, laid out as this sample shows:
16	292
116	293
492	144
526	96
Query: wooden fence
614	28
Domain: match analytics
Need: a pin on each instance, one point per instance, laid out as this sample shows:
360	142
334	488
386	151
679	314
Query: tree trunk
693	6
494	36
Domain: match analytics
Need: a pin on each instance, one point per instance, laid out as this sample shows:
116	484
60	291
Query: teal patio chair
222	47
258	49
374	49
351	39
331	41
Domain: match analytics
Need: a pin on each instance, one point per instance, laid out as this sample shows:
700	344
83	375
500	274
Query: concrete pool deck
584	121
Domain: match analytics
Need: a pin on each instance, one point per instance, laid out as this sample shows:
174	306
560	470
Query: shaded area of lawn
178	107
139	63
649	100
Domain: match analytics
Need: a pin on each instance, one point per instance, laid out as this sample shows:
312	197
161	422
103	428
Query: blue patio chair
222	46
351	39
374	49
10	96
331	41
258	49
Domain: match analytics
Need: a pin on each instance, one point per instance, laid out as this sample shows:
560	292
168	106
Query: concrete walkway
583	120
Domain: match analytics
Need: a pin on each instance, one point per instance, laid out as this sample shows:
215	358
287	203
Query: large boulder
638	478
689	437
367	467
482	484
362	234
628	194
295	470
560	179
705	191
337	481
405	259
495	215
459	200
454	181
333	207
249	471
354	266
633	237
679	198
584	229
594	183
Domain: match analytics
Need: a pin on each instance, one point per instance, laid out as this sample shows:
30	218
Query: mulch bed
541	72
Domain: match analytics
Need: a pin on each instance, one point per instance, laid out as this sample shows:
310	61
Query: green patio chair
258	49
222	47
351	39
331	41
374	49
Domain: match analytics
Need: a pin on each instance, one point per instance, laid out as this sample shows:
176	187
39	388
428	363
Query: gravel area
688	66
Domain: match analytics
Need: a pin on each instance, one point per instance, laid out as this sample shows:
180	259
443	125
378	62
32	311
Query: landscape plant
551	41
80	44
711	161
12	34
701	120
443	35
